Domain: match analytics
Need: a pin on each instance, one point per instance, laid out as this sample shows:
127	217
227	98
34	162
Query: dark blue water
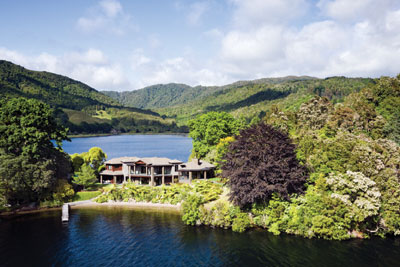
169	146
124	237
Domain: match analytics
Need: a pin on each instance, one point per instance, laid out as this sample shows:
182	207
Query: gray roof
196	165
175	161
109	172
155	161
121	160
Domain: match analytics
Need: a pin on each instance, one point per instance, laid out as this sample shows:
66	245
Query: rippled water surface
170	146
113	236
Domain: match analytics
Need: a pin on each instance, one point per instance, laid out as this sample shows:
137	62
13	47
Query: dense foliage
350	147
173	194
354	185
30	165
262	161
208	129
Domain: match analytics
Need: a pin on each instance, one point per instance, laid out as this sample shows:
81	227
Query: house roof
196	165
121	160
109	172
175	161
155	161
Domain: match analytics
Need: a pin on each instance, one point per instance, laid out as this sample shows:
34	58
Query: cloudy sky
126	45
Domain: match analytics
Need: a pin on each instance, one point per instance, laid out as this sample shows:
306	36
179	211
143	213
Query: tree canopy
209	128
260	162
27	127
29	163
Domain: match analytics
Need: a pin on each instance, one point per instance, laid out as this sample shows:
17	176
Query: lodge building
154	171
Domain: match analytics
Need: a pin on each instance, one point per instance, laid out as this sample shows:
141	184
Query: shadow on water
117	236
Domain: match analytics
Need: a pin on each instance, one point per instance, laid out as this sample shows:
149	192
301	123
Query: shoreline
91	204
109	134
139	205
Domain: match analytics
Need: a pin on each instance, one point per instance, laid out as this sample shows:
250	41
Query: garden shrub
209	190
241	222
63	192
190	209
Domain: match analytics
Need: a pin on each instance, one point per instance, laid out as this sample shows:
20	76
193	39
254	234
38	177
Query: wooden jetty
65	213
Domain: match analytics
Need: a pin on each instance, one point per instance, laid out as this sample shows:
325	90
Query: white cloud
107	17
182	69
355	10
90	67
196	11
353	41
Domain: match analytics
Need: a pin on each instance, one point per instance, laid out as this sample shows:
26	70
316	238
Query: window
109	167
176	168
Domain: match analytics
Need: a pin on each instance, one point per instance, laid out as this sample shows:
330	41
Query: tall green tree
208	129
29	163
86	177
95	157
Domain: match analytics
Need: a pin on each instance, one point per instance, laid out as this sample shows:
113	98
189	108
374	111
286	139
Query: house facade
154	171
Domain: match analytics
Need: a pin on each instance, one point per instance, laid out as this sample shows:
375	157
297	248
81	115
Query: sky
124	45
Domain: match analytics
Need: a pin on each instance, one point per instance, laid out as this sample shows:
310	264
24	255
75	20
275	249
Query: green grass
85	195
77	117
102	114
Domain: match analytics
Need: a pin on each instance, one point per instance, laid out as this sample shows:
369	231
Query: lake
120	236
169	146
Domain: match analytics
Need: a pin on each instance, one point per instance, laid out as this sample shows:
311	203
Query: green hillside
257	97
78	106
55	90
160	95
173	94
246	99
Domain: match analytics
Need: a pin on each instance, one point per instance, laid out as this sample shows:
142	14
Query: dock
65	213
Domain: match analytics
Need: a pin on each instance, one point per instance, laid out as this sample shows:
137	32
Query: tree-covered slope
174	94
249	99
160	95
55	90
78	106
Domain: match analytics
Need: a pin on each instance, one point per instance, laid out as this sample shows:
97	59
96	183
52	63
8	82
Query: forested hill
77	106
173	94
255	98
53	89
160	95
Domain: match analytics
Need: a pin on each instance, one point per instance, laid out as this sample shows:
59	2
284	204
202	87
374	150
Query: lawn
94	191
85	195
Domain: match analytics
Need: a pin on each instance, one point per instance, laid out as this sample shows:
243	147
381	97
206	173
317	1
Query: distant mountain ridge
172	94
246	99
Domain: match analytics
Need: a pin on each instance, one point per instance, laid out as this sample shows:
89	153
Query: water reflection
125	237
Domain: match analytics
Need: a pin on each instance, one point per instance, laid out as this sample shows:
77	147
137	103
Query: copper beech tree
260	162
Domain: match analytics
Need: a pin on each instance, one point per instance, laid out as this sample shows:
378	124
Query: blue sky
126	45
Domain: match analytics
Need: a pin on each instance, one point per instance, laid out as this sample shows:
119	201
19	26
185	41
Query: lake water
117	236
169	146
